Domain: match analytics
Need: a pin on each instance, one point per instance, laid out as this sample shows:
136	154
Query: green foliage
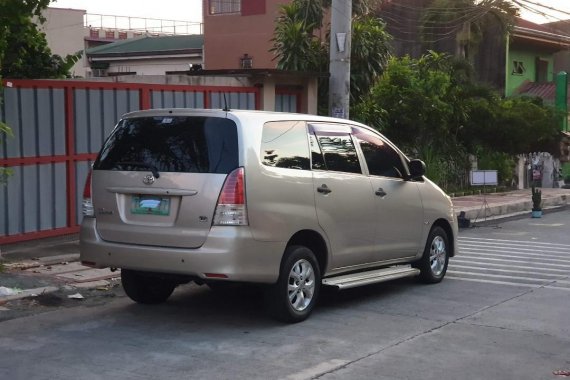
24	52
295	44
298	44
433	109
370	52
502	162
514	125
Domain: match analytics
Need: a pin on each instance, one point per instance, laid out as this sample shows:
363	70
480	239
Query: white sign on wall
484	177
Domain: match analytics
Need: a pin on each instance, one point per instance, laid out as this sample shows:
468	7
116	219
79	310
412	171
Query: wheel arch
449	231
315	242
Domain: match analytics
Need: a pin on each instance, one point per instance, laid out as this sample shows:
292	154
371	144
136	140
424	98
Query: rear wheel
293	297
433	264
146	289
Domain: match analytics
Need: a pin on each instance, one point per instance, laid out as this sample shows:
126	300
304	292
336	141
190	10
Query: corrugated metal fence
59	126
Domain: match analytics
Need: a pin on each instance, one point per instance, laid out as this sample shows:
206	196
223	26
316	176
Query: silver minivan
289	201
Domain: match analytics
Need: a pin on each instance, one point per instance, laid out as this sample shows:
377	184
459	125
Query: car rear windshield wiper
152	168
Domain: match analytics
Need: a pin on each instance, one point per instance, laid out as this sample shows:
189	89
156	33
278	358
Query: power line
542	6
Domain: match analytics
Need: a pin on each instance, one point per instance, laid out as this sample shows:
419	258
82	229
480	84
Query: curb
29	293
508	210
492	220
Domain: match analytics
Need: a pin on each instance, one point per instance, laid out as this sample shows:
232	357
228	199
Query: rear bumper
230	251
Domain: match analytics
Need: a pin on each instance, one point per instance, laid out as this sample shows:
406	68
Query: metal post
340	42
562	97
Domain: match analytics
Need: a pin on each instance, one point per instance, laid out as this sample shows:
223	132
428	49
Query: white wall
152	66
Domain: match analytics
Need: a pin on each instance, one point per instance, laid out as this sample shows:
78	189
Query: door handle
323	189
380	192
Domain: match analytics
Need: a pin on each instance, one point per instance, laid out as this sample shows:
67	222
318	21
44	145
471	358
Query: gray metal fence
58	127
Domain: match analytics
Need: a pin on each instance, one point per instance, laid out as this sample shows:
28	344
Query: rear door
343	197
157	179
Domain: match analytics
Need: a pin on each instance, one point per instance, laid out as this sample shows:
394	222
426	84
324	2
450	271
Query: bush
502	162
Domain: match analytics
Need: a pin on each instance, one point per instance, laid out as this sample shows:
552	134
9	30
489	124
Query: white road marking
519	247
459	259
514	241
529	257
506	283
512	262
455	265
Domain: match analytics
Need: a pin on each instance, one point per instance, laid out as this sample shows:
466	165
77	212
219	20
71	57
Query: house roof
541	34
546	91
149	45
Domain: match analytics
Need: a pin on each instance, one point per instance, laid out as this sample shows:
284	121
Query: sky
184	10
191	10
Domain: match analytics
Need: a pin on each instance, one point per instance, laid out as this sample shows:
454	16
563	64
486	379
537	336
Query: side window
339	152
381	158
284	145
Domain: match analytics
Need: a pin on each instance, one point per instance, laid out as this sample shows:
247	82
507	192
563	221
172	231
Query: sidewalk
509	204
48	265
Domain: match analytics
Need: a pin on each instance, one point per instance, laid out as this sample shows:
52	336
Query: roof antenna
226	108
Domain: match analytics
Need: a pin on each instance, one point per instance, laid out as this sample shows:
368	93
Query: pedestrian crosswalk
512	263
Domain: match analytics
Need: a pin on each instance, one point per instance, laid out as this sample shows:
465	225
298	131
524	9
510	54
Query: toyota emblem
148	179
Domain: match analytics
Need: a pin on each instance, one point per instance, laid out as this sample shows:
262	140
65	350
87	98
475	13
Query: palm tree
301	44
466	21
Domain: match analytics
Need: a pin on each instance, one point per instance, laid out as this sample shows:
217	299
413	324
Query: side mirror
417	169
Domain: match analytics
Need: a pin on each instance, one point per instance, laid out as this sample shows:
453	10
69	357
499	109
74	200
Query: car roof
262	116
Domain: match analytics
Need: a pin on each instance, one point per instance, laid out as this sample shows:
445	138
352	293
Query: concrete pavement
48	265
494	206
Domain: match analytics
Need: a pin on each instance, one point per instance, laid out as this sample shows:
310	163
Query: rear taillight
87	201
231	209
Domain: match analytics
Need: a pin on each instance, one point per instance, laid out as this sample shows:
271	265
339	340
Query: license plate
150	205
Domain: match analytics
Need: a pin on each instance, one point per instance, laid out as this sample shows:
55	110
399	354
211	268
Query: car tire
146	289
433	264
293	297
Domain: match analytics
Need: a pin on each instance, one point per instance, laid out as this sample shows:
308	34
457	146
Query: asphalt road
503	312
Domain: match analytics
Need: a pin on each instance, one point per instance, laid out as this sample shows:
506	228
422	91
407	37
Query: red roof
546	91
522	23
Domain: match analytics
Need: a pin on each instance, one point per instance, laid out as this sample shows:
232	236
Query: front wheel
293	297
433	264
146	289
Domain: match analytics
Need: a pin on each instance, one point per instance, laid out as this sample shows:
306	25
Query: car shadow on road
244	306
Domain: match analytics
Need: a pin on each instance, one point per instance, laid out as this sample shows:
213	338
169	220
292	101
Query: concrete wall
152	66
227	37
64	34
528	58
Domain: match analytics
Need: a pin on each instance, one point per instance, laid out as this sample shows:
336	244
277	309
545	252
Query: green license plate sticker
150	205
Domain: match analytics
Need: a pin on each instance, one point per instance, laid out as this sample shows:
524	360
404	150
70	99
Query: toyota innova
290	201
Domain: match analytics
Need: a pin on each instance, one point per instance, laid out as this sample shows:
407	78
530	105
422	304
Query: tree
434	109
464	22
24	52
301	43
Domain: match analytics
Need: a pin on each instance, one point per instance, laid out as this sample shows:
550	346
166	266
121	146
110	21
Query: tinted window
171	144
318	162
381	158
339	152
284	145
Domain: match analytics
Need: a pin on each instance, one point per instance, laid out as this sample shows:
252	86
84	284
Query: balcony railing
142	25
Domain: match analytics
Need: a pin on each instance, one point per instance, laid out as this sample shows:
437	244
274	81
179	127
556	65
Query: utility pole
339	81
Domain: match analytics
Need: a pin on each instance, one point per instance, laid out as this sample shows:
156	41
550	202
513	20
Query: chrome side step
371	277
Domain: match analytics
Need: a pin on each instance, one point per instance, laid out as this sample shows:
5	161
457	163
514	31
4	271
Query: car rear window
187	144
